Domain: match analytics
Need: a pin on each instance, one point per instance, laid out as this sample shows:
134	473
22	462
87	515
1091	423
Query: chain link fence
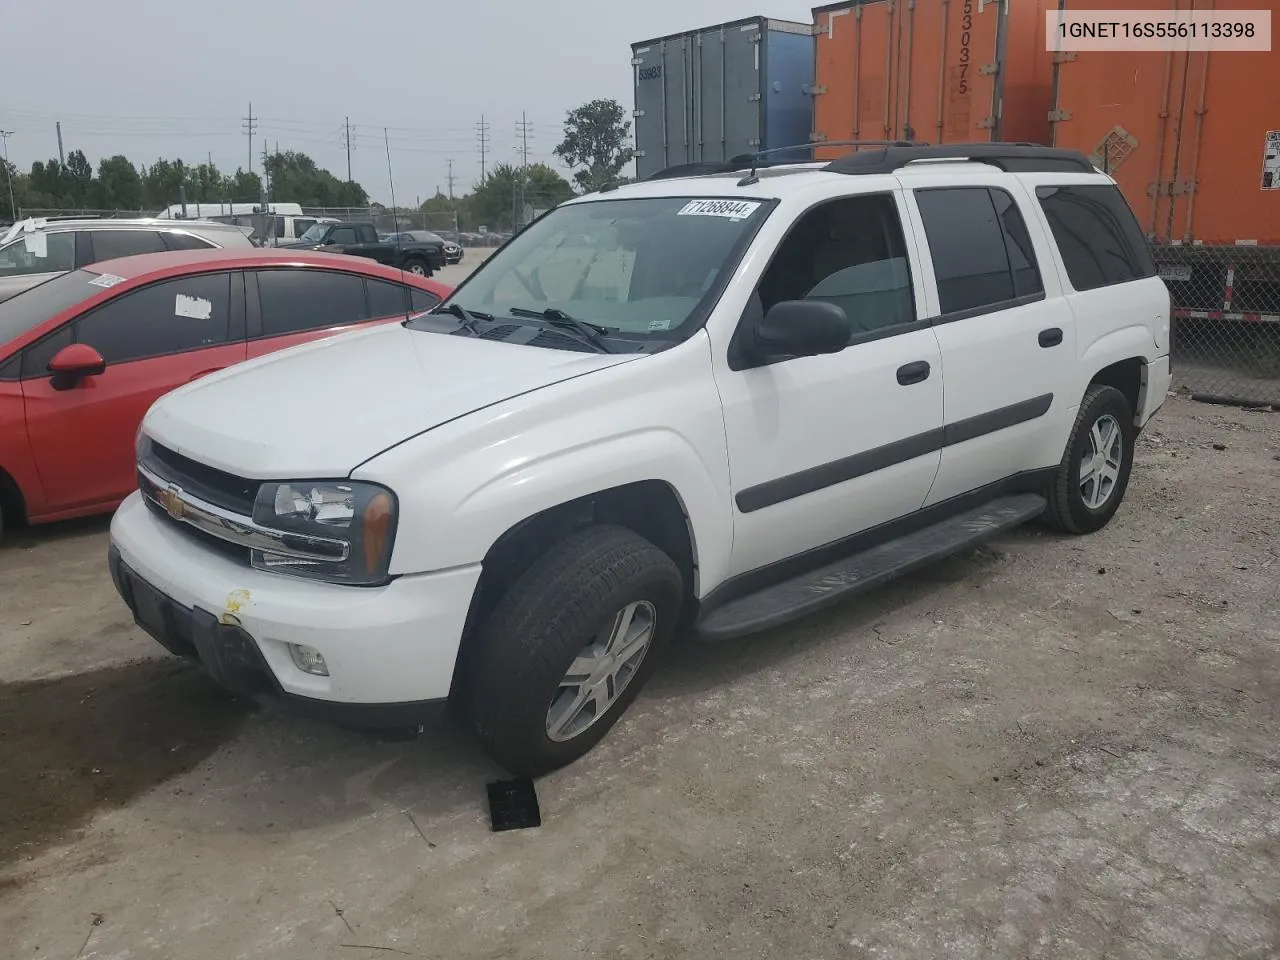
1226	321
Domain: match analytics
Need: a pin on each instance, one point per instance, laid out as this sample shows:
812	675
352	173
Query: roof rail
765	158
1009	157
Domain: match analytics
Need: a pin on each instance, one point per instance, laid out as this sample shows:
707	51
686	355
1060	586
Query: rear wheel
1094	472
569	647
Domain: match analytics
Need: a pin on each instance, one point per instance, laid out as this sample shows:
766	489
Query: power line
250	126
482	134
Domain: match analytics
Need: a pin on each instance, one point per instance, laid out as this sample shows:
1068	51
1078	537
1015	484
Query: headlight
361	515
140	444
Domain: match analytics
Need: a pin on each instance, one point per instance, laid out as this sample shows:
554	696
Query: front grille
231	551
221	489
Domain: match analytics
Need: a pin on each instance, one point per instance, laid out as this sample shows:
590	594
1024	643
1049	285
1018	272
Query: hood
321	409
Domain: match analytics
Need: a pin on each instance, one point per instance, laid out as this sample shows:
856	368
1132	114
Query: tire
418	267
571	597
1075	507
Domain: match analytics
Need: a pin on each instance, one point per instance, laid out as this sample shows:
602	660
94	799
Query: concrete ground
1047	747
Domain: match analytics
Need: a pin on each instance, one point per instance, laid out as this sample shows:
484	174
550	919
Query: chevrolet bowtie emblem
171	500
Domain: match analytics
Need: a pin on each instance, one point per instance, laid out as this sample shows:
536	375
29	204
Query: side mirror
801	328
73	363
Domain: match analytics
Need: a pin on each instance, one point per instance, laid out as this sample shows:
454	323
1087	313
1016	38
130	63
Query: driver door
825	447
154	339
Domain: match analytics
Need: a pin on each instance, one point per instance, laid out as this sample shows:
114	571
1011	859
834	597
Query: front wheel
418	268
1094	473
568	648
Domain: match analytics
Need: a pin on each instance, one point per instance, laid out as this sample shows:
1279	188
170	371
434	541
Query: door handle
1051	337
204	373
910	373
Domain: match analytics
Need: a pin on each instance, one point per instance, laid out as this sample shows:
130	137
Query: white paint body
476	436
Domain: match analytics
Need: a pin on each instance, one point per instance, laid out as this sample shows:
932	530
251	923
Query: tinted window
301	225
1100	240
421	300
982	255
110	244
386	299
1017	244
343	235
851	253
59	254
184	241
32	307
294	300
169	317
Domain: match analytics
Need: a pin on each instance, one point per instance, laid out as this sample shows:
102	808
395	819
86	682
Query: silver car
32	251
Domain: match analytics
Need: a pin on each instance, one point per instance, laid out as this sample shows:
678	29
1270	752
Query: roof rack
1009	157
766	158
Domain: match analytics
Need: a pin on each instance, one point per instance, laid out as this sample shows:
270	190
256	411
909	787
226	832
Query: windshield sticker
196	308
728	209
658	325
106	280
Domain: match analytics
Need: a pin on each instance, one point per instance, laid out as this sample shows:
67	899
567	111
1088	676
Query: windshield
32	307
314	233
638	267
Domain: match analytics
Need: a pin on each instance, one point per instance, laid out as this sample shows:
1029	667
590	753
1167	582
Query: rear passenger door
1007	335
293	305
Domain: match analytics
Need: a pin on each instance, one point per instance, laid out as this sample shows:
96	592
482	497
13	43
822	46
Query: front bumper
390	650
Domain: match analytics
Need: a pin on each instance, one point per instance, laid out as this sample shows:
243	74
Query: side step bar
826	586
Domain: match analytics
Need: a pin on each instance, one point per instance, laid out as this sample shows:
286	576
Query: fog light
308	659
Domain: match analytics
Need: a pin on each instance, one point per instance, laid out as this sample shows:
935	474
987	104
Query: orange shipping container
1192	137
939	71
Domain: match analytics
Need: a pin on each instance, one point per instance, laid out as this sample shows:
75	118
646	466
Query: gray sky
174	78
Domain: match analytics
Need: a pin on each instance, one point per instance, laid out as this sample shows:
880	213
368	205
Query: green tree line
120	184
595	147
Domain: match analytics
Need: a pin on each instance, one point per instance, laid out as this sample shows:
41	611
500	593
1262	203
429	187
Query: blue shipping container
722	91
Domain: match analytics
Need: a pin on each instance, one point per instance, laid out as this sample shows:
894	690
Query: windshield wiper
466	317
589	332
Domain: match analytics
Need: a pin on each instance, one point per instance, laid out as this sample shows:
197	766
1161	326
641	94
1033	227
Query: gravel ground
1047	747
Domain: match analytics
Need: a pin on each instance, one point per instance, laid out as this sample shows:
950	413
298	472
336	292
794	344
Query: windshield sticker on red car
728	209
106	280
195	308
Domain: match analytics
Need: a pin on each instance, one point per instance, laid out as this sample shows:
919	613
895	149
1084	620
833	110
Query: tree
494	201
596	138
295	177
119	185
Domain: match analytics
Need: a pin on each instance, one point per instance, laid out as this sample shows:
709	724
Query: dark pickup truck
361	240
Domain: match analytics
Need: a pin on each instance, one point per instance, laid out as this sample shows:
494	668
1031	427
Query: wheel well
1125	376
651	508
12	506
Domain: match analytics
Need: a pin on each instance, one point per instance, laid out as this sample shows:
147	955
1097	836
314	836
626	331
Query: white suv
705	404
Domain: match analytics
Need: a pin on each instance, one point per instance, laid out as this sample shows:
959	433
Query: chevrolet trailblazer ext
708	403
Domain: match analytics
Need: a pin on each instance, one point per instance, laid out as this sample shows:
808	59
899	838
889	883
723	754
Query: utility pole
250	126
266	180
482	135
346	135
62	159
522	130
451	179
8	173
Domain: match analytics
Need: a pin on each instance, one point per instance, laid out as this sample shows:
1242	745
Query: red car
83	356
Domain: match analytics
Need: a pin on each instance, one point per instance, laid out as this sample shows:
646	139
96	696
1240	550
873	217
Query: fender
1126	343
464	484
